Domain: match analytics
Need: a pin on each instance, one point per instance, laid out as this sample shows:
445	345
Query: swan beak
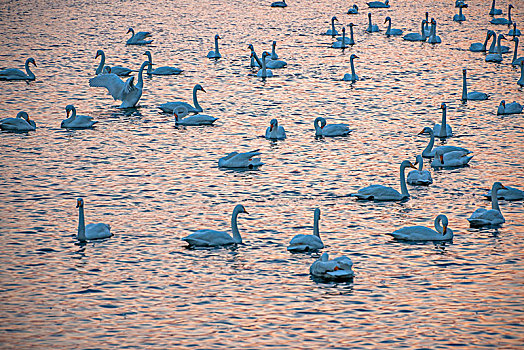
97	54
356	56
78	204
271	127
322	127
35	64
445	230
67	113
412	166
504	104
420	133
204	90
504	188
218	37
245	211
441	159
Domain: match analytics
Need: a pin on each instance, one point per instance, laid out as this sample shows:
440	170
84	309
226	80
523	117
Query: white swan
270	63
336	269
255	61
340	44
279	4
91	231
120	71
274	131
500	20
170	107
429	152
165	70
433	37
212	238
330	130
484	217
514	32
384	193
194	120
459	3
417	36
451	159
215	54
460	16
509	108
138	38
516	61
17	74
21	123
240	160
419	177
493	11
507	193
496	57
350	40
473	95
422	233
378	4
353	10
307	243
392	31
126	92
76	121
264	72
481	47
438	129
521	80
493	48
332	31
274	55
351	77
372	28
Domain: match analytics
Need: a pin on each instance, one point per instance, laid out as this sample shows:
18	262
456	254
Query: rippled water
155	183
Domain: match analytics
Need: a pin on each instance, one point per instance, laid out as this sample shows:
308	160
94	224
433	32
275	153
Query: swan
17	74
279	4
138	38
274	55
212	238
460	17
493	48
264	72
332	31
391	31
510	108
429	152
427	29
194	120
76	121
383	193
501	20
422	233
353	10
215	54
473	95
496	57
126	92
378	4
330	130
91	231
336	269
170	107
120	71
514	32
521	80
274	131
419	177
165	70
372	28
451	159
493	11
21	123
270	63
301	242
350	40
440	131
255	61
340	44
507	193
481	47
516	61
433	37
351	77
417	36
493	216
240	160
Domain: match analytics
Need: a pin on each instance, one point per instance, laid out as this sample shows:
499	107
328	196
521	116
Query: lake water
155	183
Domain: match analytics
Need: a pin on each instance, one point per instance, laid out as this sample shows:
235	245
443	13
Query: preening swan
215	54
422	233
516	61
417	36
391	31
514	32
138	38
493	11
353	76
274	131
332	31
353	10
264	72
484	217
340	44
460	16
21	123
212	238
500	20
17	74
330	130
496	57
451	159
350	40
165	70
120	71
481	47
433	37
521	80
507	193
240	160
438	129
170	107
336	269
126	92
419	177
429	152
383	193
279	4
372	28
473	95
509	108
194	120
76	121
378	4
306	243
90	231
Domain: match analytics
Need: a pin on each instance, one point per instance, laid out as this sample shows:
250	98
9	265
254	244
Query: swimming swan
372	28
507	193
240	160
332	31
422	233
351	77
279	4
451	159
378	4
330	130
170	107
417	36
76	121
264	72
17	74
433	37
429	152
473	95
90	231
440	131
391	31
481	47
460	16
336	269
516	61
493	216
215	54
353	10
493	11
350	40
21	123
496	57
274	131
120	71
419	177
509	108
507	21
306	243
138	38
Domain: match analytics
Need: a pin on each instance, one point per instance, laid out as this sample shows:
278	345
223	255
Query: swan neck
101	65
420	165
333	27
73	117
315	227
318	130
423	32
216	47
443	127
257	59
81	225
195	100
352	67
150	65
140	82
486	41
28	70
492	6
351	33
509	14
460	11
438	227
516	48
388	31
429	147
464	88
499	48
403	187
234	227
494	200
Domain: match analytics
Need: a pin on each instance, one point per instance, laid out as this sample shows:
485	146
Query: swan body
353	76
493	48
330	130
417	36
279	4
270	62
332	31
21	123
422	233
450	159
194	120
212	238
138	38
165	70
483	217
215	54
336	269
378	4
496	57
509	108
419	177
17	74
440	131
353	10
384	193
240	160
516	61
433	37
429	152
460	16
391	31
473	95
493	11
521	80
76	121
372	28
171	107
340	44
90	231
274	131
350	40
507	193
501	20
514	31
307	243
264	72
481	47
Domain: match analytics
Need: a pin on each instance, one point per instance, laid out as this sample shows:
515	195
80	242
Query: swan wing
16	124
98	231
113	84
197	119
11	73
166	71
417	233
416	177
170	107
483	217
303	242
378	192
208	238
336	130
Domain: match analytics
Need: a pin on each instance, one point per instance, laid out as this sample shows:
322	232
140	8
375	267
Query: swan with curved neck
372	28
443	130
264	72
90	231
493	216
496	57
254	57
502	20
332	31
429	152
422	233
453	159
21	123
473	95
76	121
212	238
353	10
307	243
481	47
275	131
353	76
17	74
215	54
516	61
138	38
279	4
419	177
509	108
391	31
493	11
338	269
170	107
508	193
417	36
120	71
241	160
330	130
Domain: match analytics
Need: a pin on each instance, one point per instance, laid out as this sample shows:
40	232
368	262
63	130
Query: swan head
427	15
23	115
317	214
387	19
240	209
355	7
130	30
464	71
273	124
515	39
68	109
320	120
406	164
444	221
333	19
510	6
353	56
250	46
497	186
501	36
31	60
369	15
503	103
343	30
107	70
324	257
274	43
79	203
147	53
426	130
419	160
217	37
99	53
351	25
199	87
443	106
265	54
